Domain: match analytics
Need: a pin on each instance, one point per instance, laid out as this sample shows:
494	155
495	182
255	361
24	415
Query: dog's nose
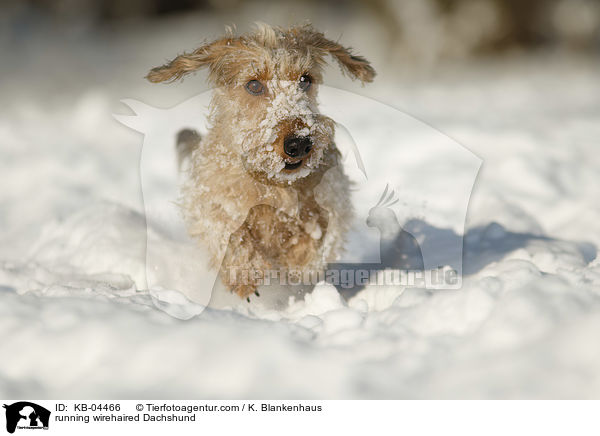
297	146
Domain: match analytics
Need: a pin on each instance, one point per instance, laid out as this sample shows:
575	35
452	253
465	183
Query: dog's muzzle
297	147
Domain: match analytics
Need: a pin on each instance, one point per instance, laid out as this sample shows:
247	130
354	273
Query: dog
265	189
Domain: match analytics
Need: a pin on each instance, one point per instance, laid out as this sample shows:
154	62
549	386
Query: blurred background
421	29
424	30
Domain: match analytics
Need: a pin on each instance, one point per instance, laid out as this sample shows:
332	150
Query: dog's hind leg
187	141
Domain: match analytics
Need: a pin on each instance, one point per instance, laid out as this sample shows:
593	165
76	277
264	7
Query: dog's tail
187	141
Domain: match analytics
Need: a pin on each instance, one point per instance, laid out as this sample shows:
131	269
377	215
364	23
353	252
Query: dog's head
264	108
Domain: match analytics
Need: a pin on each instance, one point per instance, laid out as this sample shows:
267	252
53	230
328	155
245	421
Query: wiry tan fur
239	199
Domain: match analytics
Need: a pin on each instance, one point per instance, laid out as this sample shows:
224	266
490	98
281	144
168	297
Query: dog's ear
356	66
208	55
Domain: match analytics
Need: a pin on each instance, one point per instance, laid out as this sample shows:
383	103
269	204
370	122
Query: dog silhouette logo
26	415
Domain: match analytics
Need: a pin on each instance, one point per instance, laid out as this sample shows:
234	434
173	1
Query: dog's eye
305	82
254	87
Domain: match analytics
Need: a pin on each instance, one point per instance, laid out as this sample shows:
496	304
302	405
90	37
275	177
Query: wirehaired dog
265	189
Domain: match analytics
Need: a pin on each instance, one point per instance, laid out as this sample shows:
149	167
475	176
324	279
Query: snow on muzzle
291	150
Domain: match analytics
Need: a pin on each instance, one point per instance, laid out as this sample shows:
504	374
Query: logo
411	237
26	415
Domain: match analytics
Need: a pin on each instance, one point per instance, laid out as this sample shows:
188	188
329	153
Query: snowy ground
76	321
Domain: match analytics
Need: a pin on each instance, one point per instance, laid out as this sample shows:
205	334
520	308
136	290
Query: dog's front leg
244	266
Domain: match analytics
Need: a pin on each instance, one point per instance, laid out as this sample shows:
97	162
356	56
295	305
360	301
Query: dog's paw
255	293
245	291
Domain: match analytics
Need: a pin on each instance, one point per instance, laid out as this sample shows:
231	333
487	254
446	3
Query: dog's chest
294	237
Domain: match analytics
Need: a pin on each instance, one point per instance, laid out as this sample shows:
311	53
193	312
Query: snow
78	320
